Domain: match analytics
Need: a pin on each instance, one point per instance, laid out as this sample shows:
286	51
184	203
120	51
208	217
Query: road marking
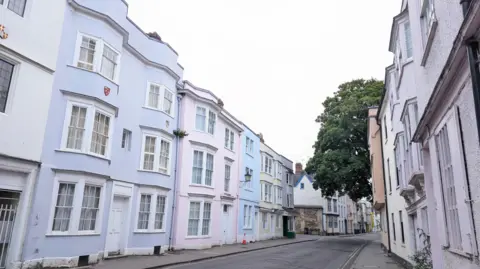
344	266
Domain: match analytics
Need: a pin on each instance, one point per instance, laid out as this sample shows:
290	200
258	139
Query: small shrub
423	258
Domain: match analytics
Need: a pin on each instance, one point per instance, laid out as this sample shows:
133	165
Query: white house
27	62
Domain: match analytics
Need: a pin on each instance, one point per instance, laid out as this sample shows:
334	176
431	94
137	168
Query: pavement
305	252
373	257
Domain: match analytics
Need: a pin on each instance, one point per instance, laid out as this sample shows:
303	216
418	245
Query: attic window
302	186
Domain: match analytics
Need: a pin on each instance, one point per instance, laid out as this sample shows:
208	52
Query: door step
115	255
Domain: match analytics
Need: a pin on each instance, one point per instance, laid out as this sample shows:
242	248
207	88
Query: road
328	253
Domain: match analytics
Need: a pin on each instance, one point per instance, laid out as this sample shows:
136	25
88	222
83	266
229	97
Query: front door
226	224
272	225
116	224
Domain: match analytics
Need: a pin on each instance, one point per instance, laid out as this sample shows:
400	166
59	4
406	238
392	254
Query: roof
298	177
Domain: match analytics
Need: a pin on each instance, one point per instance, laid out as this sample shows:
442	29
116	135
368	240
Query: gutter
170	238
472	49
389	250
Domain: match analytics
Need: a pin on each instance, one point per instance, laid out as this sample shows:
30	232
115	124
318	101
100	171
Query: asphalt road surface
328	253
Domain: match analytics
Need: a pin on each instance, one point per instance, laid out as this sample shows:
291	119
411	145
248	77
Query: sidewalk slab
373	257
188	256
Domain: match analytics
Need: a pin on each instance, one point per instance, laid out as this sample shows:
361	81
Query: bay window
160	98
88	127
156	153
205	119
94	54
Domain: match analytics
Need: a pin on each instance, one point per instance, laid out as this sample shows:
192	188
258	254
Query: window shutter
438	194
459	173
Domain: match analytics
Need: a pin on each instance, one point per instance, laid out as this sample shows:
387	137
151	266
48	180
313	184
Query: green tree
341	159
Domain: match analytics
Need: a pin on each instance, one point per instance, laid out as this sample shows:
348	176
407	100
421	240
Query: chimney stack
298	168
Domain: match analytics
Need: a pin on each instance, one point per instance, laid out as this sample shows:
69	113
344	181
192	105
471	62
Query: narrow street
327	253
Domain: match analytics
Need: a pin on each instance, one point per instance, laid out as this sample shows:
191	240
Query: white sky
273	62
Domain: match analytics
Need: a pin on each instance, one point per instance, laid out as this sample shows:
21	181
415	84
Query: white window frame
207	119
80	181
161	98
408	43
204	167
267	163
229	164
97	59
92	107
247	218
249	146
154	192
279	195
266	192
230	139
158	142
451	122
200	221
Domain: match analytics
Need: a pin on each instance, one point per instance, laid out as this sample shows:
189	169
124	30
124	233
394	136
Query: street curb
352	258
227	254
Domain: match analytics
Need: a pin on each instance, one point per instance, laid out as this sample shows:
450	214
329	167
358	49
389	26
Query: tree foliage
341	158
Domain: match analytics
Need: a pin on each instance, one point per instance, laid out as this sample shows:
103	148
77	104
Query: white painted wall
32	46
307	196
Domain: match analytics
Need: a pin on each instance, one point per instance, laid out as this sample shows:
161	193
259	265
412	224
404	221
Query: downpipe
175	175
472	49
389	250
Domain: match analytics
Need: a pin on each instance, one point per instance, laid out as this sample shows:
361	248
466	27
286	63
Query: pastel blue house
108	162
248	219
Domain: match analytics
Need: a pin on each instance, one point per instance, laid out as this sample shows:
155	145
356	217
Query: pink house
206	192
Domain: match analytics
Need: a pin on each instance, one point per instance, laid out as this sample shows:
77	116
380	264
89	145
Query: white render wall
308	196
395	201
32	45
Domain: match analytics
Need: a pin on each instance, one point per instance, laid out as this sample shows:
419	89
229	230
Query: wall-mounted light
248	176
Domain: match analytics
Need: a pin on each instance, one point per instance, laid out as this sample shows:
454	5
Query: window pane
167	102
164	156
197	167
6	71
206	218
153	96
149	152
227	137
231	140
100	131
211	122
87	53
227	178
17	6
63	207
209	170
144	211
160	212
76	127
90	207
200	118
193	218
109	62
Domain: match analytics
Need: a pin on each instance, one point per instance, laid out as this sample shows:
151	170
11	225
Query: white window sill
153	172
460	253
55	234
149	232
229	150
83	153
158	110
197	236
203	132
94	72
247	228
201	186
403	245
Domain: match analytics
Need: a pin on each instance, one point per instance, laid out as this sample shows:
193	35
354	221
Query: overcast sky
273	62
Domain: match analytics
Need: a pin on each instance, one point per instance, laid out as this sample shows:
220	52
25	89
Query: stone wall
310	218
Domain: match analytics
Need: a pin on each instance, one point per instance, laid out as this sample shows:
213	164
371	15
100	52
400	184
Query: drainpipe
239	150
389	250
175	180
472	49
